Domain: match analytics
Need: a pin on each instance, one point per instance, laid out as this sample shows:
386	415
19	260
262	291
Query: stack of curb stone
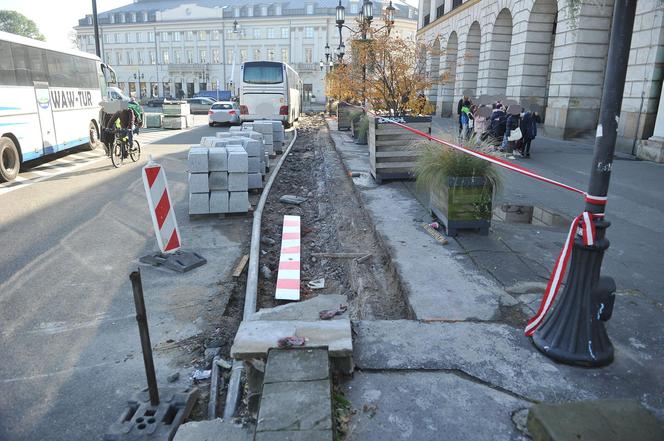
199	188
266	129
177	115
253	145
152	120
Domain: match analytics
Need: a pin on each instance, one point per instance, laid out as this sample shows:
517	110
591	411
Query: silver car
199	105
224	112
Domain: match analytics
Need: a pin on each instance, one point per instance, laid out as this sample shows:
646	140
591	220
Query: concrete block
235	129
254	180
219	201
152	120
225	135
238	181
197	160
253	147
199	203
278	147
213	430
291	435
238	161
176	109
190	120
254	165
309	406
217	159
235	148
218	180
264	127
306	310
255	338
299	364
263	168
205	141
199	183
238	201
174	122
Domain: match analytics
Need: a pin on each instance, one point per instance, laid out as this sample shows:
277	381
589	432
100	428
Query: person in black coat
529	131
460	105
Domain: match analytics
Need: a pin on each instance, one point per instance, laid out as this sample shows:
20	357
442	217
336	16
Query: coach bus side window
37	64
20	56
7	75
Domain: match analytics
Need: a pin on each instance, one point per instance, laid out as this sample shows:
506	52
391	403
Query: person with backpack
529	131
137	110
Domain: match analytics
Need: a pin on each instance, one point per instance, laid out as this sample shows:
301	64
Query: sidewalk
464	368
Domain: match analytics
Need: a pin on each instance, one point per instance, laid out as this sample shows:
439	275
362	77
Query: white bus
50	100
270	90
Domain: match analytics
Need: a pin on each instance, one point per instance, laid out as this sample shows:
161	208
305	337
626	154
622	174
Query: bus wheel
94	136
10	160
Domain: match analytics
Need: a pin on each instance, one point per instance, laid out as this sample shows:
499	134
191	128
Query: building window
277	10
215	35
190	36
264	11
309	32
270	54
164	36
284	55
284	32
202	35
165	57
257	33
116	37
122	18
107	57
250	11
236	12
91	39
410	12
353	8
129	37
310	9
138	37
308	55
153	57
130	58
145	16
257	54
202	56
229	56
190	56
151	37
118	58
215	56
176	56
270	33
177	36
243	55
139	57
133	17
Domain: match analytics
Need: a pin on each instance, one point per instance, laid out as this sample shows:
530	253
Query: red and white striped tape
161	207
288	278
583	224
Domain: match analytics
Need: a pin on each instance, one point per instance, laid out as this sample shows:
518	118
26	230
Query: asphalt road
69	342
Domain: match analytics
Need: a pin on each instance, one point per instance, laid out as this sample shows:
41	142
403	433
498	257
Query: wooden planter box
391	154
463	203
343	116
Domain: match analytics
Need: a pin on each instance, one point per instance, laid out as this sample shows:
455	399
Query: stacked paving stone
199	188
257	158
266	129
278	136
152	120
177	115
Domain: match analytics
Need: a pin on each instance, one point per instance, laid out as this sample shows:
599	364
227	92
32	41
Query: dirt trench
333	221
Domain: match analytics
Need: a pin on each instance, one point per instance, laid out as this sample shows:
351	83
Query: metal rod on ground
251	292
574	331
142	319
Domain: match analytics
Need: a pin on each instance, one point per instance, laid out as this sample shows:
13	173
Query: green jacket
136	108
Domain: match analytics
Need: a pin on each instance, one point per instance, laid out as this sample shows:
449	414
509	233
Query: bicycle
119	150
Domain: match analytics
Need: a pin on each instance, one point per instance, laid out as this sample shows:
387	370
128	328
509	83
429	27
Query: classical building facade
550	56
158	48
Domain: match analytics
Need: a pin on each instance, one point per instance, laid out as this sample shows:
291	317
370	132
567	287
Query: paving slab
295	406
305	310
297	365
502	356
288	435
213	430
255	338
428	406
603	420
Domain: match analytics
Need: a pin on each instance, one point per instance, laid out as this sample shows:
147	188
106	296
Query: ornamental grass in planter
461	187
361	130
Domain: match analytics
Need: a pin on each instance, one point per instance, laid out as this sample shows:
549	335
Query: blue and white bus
270	90
50	100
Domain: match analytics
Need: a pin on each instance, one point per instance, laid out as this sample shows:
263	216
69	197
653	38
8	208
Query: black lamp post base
573	332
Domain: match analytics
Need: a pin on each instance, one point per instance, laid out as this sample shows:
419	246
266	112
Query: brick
199	203
198	183
238	201
219	201
254	165
254	180
237	161
218	180
218	159
237	181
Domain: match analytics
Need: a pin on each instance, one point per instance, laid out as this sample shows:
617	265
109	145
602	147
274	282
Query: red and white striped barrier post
288	278
161	208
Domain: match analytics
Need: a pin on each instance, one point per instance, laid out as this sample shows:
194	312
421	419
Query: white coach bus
270	90
49	100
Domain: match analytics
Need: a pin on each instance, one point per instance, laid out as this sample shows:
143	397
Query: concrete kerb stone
213	430
297	364
297	406
238	201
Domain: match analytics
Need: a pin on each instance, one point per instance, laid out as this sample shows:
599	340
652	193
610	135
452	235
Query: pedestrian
497	127
459	106
465	120
511	140
529	131
480	121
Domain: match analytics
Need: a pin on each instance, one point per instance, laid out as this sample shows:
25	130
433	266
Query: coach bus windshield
263	73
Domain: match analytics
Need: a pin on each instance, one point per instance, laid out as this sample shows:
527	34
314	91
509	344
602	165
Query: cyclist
136	108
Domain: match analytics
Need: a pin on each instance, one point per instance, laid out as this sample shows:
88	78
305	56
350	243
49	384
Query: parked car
158	101
217	95
224	112
200	105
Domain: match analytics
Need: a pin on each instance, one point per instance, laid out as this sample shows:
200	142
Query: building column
653	149
467	70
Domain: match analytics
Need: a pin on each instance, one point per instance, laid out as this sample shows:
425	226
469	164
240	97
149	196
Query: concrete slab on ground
602	420
213	430
295	406
297	365
500	355
306	310
428	406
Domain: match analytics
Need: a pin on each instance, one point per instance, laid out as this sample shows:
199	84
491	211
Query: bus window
263	73
7	76
37	63
20	56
